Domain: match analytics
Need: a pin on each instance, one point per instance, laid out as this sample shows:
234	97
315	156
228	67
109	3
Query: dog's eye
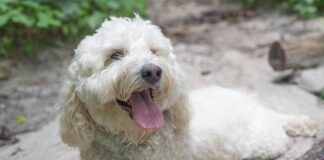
117	55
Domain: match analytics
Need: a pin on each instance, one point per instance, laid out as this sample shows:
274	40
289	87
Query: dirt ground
230	52
31	90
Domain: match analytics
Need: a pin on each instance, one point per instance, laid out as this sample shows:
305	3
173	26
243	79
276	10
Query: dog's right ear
76	126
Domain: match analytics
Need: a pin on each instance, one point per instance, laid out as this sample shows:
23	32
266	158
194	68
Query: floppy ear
179	114
76	126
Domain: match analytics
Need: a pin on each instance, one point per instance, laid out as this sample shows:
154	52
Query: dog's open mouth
145	113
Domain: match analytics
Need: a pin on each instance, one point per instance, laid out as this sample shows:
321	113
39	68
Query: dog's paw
301	126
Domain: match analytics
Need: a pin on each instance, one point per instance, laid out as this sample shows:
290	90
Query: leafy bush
303	8
25	24
252	4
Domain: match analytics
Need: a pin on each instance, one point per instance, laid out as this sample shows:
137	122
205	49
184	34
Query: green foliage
25	24
321	95
303	8
20	119
252	4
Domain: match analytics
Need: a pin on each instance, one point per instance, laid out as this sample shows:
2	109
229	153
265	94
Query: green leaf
58	14
8	1
3	7
3	20
309	2
20	119
113	4
322	94
43	19
55	23
32	4
96	19
23	19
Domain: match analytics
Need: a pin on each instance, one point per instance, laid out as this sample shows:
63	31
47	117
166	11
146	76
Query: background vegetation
302	8
25	25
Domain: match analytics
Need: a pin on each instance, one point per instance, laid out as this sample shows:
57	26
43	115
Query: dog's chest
160	146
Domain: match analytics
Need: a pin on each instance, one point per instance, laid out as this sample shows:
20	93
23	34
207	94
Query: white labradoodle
126	99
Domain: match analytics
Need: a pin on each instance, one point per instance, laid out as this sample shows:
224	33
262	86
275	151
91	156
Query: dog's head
125	79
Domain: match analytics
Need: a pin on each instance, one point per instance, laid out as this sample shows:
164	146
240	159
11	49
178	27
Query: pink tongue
146	114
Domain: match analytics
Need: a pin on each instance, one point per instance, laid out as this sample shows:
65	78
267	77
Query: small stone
205	72
311	79
5	133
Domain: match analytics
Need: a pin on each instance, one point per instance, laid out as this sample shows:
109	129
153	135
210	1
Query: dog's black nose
151	73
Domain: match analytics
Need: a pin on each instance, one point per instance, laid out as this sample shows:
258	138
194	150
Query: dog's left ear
76	126
179	114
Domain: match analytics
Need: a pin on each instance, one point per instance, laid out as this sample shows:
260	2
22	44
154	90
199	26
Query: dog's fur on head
106	74
96	81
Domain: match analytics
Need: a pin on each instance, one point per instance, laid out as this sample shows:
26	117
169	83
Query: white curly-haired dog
126	98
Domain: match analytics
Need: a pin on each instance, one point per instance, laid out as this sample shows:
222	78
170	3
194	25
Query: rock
5	133
6	136
205	72
316	153
311	79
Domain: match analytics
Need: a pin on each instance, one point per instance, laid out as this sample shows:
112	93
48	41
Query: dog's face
125	78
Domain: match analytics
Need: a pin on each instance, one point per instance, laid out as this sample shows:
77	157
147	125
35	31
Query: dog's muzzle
143	110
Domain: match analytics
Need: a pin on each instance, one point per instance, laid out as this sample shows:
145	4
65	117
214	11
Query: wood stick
298	54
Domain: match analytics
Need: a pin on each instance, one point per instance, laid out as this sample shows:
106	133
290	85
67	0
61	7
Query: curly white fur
224	124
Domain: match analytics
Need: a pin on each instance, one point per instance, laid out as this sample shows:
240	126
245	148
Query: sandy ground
32	89
226	53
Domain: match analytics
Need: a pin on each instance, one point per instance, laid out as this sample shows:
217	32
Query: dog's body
126	99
